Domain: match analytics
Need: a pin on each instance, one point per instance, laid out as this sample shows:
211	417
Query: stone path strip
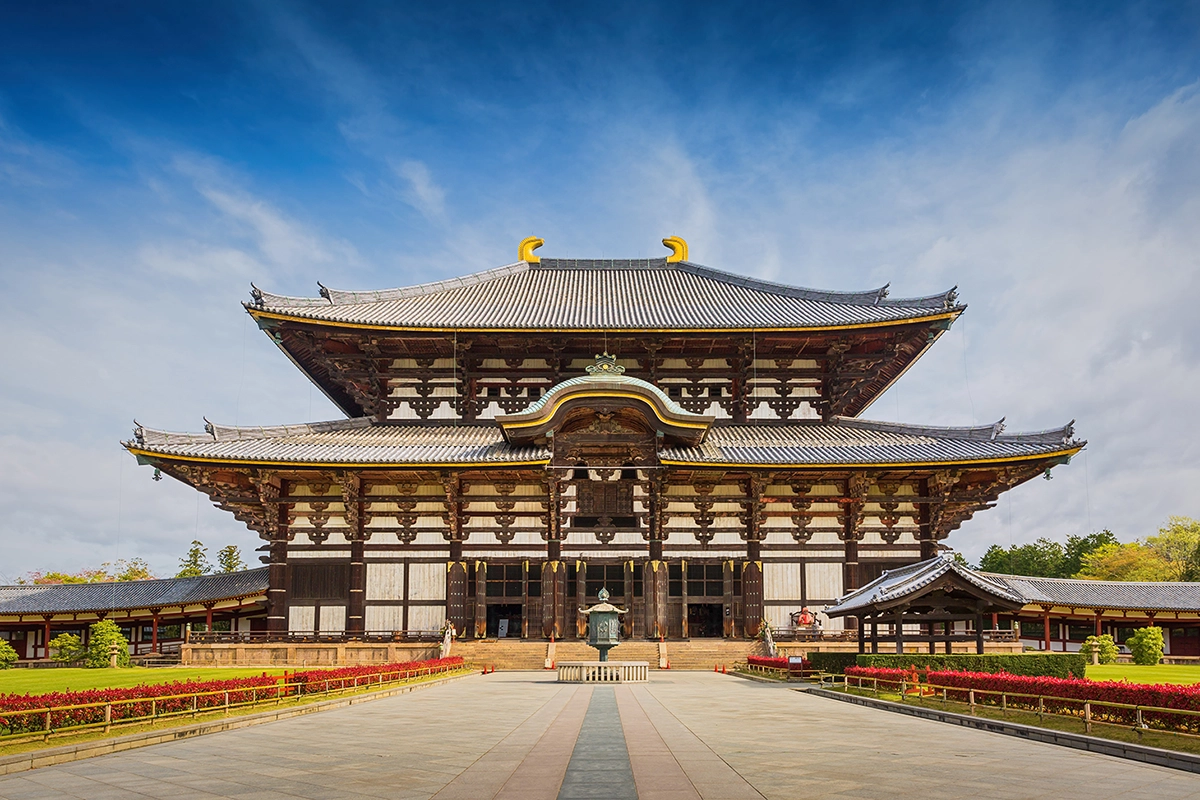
682	736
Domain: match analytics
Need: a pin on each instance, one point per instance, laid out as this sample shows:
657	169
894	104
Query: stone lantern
604	624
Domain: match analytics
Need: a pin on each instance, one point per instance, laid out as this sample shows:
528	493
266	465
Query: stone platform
603	671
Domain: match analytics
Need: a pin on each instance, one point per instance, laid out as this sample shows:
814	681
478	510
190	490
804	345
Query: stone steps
516	654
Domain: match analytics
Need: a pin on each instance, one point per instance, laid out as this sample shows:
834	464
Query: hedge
1056	665
832	662
1052	689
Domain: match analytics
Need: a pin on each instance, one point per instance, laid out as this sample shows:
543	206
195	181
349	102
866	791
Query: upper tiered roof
605	294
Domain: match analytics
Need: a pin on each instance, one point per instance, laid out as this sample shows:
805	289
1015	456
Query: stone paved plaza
683	735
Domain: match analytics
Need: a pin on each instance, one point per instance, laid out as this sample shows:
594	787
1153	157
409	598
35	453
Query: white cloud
422	191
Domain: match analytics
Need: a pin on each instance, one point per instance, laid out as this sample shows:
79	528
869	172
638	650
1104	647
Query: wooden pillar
654	594
457	579
352	491
1099	614
862	641
554	599
727	589
683	598
899	632
1046	627
627	619
979	634
874	635
926	535
275	515
208	620
752	579
480	599
580	599
46	636
948	633
154	630
525	599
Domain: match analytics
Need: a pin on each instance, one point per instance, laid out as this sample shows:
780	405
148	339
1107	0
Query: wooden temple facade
709	467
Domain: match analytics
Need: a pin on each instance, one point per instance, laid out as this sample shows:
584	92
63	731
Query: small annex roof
610	294
130	595
896	584
604	380
1114	595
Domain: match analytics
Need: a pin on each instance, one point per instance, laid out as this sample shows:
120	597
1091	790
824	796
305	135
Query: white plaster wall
426	618
782	582
385	582
426	582
301	618
824	580
333	619
384	618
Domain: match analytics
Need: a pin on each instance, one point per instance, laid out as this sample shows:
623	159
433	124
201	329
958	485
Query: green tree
134	569
1125	562
66	648
104	634
1146	645
229	559
195	563
54	578
1080	546
8	656
1104	646
1178	543
1043	558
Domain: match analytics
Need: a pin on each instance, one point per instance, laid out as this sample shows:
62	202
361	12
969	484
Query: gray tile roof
1103	594
843	441
80	597
897	583
353	441
574	294
856	441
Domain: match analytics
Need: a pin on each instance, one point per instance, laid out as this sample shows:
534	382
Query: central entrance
504	621
705	621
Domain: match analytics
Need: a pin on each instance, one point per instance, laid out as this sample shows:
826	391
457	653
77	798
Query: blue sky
1043	157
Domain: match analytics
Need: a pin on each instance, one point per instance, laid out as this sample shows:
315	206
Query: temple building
517	439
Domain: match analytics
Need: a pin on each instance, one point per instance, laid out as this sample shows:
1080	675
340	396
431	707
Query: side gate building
515	440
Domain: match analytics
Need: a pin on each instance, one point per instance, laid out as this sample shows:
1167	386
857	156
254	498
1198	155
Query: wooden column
727	588
752	580
926	535
1046	627
947	633
525	599
654	571
683	593
355	518
154	629
480	599
46	636
1099	615
874	635
899	632
862	640
580	599
979	634
456	567
208	609
627	619
850	517
554	599
276	517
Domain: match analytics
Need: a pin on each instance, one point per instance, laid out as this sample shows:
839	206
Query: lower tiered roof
361	441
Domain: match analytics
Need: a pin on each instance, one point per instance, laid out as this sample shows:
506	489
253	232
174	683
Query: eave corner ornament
679	249
605	365
526	248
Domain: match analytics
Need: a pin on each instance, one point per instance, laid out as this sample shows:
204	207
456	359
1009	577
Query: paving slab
681	736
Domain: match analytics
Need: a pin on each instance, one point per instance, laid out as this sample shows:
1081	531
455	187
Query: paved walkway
683	736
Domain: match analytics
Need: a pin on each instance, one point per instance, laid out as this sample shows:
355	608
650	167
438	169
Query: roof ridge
1089	581
975	433
215	432
872	297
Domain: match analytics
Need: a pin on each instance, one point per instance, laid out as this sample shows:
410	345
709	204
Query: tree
1043	558
195	563
229	559
8	656
1104	646
66	648
1080	546
1125	562
134	569
1178	543
1146	645
104	634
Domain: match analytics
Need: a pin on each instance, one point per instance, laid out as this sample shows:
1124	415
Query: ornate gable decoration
605	395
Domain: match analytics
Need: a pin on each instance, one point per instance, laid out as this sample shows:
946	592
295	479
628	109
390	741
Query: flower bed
767	661
320	680
1060	695
160	698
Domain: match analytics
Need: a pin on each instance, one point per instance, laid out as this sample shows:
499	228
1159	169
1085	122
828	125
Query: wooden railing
1090	712
311	637
52	721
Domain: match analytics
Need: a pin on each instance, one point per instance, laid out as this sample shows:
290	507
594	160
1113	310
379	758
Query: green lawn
39	681
1163	673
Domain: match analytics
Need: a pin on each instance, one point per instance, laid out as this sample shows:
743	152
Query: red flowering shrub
1057	694
240	690
767	661
322	679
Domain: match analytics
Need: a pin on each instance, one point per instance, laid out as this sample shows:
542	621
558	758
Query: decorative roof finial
679	249
605	365
526	248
